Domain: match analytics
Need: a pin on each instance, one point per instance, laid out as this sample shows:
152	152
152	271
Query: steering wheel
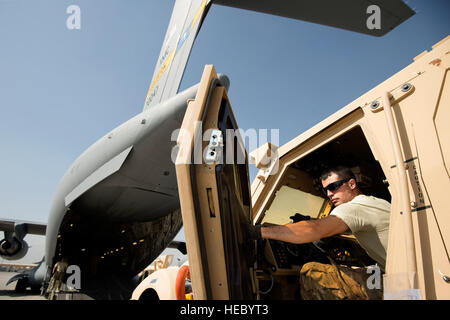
316	244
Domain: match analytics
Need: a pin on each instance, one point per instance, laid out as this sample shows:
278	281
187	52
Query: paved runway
8	293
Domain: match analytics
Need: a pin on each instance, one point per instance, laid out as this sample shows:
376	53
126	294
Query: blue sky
61	89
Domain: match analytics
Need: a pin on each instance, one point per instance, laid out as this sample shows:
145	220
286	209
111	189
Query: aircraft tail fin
185	22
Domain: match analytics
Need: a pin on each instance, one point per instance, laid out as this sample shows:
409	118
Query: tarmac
7	292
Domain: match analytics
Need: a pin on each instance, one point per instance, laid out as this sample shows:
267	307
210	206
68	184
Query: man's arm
305	231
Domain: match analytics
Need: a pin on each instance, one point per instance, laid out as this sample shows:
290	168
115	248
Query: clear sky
61	89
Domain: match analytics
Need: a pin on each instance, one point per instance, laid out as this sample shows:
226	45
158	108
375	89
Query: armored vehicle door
213	184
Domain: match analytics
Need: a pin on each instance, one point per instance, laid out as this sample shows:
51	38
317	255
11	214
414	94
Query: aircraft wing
185	22
37	228
351	15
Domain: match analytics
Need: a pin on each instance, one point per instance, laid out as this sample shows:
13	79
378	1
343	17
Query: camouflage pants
320	281
56	281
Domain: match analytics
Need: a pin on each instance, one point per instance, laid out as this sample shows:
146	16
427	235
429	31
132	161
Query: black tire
21	285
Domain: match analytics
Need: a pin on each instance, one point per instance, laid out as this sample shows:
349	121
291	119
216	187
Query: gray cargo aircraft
117	207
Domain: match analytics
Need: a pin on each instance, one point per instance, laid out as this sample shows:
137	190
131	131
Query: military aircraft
117	206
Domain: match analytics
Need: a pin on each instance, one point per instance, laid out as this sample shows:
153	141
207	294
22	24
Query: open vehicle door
395	154
213	184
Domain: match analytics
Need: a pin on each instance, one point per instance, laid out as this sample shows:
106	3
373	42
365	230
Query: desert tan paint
211	260
421	117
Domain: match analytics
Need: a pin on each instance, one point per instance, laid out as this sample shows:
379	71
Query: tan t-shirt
61	266
368	219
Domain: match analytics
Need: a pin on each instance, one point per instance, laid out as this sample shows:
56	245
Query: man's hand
299	217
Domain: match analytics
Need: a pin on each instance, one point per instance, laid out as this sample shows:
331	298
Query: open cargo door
213	185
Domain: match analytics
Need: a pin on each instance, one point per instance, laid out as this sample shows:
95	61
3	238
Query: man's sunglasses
335	185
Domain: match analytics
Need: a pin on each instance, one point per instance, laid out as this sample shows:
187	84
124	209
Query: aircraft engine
13	248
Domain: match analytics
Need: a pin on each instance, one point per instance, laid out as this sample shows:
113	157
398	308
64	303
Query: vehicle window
289	201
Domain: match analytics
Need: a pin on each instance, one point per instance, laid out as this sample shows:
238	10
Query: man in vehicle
366	217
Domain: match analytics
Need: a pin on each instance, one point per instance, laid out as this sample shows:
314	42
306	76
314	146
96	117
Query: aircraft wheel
21	285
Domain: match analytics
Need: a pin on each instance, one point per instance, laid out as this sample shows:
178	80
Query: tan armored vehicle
395	137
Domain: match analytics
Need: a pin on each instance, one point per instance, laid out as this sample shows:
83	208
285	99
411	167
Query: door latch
215	147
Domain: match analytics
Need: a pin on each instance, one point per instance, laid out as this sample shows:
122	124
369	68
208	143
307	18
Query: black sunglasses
335	185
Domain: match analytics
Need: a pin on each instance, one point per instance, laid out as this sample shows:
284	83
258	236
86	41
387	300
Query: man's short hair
341	171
